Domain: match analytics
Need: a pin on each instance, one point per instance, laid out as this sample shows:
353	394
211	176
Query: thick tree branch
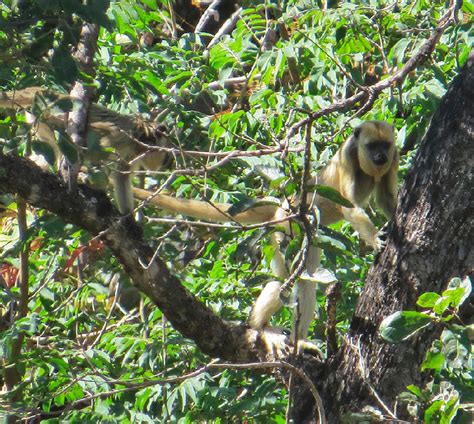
91	210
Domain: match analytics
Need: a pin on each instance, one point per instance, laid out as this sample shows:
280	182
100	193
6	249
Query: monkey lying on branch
365	165
115	139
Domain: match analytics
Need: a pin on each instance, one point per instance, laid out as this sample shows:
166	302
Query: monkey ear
357	132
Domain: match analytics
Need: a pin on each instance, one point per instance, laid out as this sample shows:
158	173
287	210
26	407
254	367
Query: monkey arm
267	304
386	189
363	225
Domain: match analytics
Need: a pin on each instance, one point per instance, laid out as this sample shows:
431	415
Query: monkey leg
305	310
267	304
122	182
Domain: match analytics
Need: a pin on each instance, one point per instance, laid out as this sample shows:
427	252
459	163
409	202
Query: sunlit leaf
401	326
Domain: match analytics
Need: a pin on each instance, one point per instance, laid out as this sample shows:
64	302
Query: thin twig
175	380
303	217
363	374
421	56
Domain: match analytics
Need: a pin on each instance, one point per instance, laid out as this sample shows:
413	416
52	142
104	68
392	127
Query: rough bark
90	209
431	241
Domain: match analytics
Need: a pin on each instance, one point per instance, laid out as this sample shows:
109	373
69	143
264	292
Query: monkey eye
378	145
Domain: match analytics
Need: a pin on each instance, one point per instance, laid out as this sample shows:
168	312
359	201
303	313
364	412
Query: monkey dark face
378	152
375	143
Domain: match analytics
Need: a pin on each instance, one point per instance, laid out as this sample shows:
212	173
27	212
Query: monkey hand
381	238
305	346
380	242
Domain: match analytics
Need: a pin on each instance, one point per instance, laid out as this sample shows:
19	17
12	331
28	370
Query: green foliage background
78	344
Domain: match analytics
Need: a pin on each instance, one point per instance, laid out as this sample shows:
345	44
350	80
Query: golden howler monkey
365	165
124	142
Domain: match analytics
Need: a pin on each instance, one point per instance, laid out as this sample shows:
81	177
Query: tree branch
90	209
374	90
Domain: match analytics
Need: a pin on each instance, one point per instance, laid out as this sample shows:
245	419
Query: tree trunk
430	242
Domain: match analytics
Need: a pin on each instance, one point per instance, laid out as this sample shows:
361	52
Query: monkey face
157	159
375	147
378	152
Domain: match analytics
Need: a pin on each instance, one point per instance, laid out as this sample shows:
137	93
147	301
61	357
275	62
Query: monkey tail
214	212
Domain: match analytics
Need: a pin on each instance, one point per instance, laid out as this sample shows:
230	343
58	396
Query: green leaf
333	195
402	325
436	88
441	306
455	352
321	276
428	300
415	390
247	204
183	75
270	173
45	150
432	412
465	284
48	5
398	50
433	361
455	296
64	66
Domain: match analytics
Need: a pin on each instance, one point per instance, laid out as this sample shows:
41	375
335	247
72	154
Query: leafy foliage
90	341
449	358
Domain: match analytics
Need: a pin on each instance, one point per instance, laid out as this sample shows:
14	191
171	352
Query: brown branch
333	296
77	118
374	90
91	210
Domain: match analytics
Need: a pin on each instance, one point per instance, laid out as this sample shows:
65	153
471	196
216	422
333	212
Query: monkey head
375	142
155	135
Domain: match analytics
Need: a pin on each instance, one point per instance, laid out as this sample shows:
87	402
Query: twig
363	374
118	287
421	56
228	26
174	380
303	216
158	248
